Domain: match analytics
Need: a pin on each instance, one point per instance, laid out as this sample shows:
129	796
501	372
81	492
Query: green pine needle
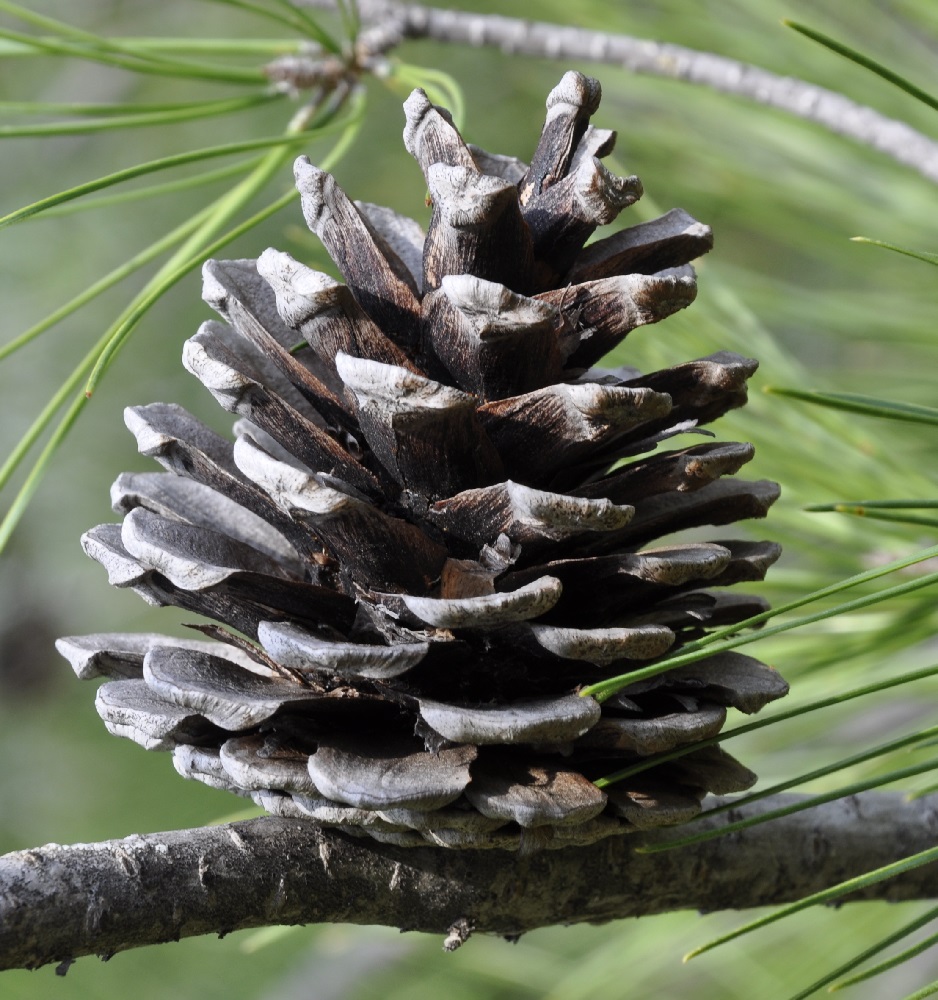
868	953
927	504
921	793
163	163
192	112
856	403
292	17
149	46
440	87
93	109
926	991
854	788
866	62
225	208
889	963
877	514
873	753
656	760
314	29
723	639
139	61
825	896
152	190
929	258
348	11
100	286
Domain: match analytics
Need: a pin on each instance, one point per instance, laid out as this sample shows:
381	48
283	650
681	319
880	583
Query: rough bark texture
58	903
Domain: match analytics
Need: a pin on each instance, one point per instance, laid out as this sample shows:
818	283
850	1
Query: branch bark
58	903
389	21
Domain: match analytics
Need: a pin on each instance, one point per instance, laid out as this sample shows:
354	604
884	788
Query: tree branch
58	903
389	21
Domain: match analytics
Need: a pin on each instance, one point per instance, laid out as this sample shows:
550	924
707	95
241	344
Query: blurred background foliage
784	284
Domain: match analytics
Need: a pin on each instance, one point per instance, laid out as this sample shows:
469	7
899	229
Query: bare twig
58	903
390	20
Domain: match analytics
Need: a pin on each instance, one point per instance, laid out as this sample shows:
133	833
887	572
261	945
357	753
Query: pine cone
434	524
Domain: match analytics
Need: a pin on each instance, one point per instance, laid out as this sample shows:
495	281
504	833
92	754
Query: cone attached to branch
438	522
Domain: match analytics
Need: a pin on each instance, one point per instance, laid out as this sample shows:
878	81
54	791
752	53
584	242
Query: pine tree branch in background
388	22
59	903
